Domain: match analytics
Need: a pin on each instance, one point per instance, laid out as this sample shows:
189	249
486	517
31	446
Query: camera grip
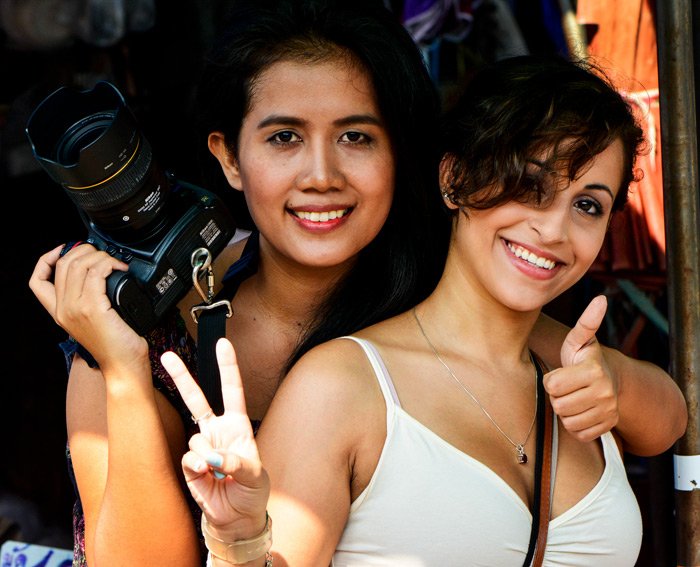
131	301
69	246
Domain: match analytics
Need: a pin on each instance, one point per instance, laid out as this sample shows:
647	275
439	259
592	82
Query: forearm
653	413
144	518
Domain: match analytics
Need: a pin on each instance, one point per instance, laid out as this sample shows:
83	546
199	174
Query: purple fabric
427	20
414	8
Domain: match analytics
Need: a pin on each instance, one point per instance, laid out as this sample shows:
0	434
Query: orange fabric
622	39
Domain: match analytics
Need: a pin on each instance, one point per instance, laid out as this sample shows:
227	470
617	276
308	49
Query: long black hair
404	261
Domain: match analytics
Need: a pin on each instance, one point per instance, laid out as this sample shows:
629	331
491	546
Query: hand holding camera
89	143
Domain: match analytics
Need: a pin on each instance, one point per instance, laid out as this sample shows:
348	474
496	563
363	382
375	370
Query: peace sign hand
583	391
223	469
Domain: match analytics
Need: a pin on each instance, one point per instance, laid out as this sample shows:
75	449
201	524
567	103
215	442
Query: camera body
88	142
160	269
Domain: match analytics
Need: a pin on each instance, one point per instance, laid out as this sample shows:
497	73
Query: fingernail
214	459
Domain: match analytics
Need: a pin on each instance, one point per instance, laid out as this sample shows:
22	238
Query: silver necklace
519	447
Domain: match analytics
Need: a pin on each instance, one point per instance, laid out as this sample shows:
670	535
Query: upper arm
653	411
86	425
547	338
308	441
86	422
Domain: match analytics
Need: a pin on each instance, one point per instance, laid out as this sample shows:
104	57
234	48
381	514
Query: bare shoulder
393	335
328	398
337	369
336	380
330	409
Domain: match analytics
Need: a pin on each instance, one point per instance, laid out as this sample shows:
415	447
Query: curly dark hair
544	109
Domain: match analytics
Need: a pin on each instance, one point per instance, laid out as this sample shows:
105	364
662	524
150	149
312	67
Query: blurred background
152	51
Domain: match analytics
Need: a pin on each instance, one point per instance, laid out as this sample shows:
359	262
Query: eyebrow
601	187
359	119
593	186
280	119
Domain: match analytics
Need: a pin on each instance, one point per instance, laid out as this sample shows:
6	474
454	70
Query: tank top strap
385	383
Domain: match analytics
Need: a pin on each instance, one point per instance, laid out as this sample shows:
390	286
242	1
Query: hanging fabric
427	20
623	41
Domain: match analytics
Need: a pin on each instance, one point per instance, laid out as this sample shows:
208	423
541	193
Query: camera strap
210	317
211	327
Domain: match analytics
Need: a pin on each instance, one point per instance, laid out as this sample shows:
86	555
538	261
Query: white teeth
531	257
320	217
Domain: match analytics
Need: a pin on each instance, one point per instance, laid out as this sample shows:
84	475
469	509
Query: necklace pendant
522	457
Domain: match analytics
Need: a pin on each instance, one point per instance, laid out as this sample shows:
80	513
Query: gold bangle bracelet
212	557
241	551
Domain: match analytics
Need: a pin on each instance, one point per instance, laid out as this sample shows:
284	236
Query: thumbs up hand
583	392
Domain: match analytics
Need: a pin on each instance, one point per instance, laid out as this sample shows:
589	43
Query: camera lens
81	135
89	142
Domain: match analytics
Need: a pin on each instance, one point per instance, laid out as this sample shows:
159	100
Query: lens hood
83	138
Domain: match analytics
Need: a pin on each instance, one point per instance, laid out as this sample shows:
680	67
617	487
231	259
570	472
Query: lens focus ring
120	186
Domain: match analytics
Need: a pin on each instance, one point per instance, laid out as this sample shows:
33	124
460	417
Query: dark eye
355	138
589	206
285	137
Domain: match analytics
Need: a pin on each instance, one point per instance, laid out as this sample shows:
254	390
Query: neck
292	292
475	324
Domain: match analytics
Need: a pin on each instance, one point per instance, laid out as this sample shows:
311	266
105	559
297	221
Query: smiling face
314	161
523	254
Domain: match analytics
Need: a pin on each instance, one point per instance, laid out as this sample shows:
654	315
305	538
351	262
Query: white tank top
429	504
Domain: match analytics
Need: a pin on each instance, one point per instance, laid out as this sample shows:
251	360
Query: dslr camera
89	142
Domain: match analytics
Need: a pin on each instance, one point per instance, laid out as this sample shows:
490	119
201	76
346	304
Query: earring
447	196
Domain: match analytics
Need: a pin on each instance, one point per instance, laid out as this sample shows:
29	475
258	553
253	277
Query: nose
321	169
551	224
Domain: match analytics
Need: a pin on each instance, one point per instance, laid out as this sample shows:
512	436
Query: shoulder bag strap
543	474
545	485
